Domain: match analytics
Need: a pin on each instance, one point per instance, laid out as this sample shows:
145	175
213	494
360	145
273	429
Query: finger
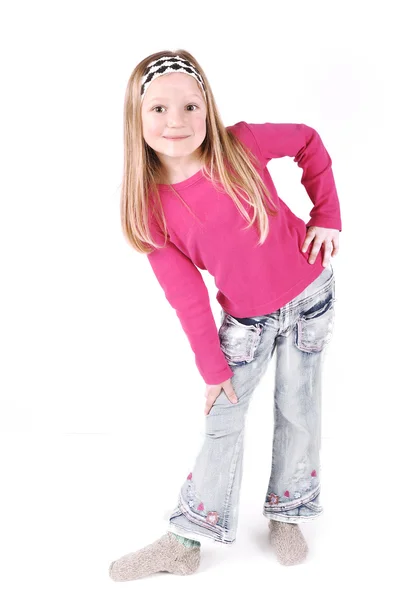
327	254
232	398
335	247
310	235
230	393
314	251
208	405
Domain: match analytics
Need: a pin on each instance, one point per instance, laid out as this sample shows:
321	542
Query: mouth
183	137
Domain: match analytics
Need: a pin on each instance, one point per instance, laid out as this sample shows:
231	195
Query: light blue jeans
300	330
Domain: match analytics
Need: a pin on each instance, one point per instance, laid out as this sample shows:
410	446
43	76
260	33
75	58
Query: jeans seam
231	480
218	533
296	503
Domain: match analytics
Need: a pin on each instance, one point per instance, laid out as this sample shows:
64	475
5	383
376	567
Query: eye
155	107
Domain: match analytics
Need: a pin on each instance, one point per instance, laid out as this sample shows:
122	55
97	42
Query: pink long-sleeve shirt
251	280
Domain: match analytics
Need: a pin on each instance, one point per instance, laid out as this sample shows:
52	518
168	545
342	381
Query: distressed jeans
299	332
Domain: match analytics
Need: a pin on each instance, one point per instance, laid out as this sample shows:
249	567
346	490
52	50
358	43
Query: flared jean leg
208	503
293	493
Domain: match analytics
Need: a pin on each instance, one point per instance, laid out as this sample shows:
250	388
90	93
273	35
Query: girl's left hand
321	236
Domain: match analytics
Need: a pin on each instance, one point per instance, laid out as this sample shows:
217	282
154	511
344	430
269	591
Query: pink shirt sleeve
276	140
187	293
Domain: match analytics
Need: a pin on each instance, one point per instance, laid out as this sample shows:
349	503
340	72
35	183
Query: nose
176	117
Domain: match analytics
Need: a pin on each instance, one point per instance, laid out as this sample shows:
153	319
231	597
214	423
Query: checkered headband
168	64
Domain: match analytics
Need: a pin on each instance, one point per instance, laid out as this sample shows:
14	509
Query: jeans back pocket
315	327
239	341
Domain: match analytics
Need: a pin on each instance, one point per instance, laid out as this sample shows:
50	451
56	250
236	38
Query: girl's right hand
213	391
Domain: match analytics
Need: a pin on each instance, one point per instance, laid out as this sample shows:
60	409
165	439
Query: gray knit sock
288	541
165	554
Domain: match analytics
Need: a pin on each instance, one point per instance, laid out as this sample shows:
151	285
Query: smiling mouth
182	137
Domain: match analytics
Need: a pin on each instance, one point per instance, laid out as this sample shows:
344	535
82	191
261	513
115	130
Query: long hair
226	162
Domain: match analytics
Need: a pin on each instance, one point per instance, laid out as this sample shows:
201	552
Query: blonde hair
225	160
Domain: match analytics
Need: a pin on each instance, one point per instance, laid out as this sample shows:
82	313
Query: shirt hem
273	305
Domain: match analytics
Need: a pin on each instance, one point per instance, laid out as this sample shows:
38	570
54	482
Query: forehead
173	85
162	98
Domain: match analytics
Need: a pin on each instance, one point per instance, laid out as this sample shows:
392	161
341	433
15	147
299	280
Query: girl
189	186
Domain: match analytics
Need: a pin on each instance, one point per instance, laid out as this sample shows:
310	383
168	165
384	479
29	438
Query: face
174	106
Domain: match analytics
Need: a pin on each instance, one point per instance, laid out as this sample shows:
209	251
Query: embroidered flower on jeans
189	476
212	517
297	495
287	494
313	473
274	499
191	503
201	506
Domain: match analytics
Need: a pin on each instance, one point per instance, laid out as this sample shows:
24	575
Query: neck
176	175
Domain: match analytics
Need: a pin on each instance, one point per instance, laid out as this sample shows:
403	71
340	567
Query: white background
101	410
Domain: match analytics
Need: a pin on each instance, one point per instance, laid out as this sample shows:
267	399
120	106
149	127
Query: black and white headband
168	64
